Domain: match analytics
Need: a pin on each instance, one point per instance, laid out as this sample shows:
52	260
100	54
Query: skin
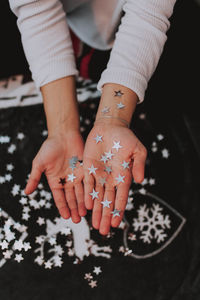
73	198
60	104
132	151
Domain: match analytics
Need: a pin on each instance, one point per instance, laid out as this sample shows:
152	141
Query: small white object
125	165
11	149
92	169
106	203
94	194
71	177
165	153
105	110
117	146
18	257
120	178
20	136
104	158
40	221
108	169
116	213
109	155
98	138
120	105
97	270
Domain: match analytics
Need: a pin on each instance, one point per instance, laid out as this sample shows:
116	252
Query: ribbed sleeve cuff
56	69
132	80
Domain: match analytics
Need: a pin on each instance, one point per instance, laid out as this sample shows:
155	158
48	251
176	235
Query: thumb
139	159
34	178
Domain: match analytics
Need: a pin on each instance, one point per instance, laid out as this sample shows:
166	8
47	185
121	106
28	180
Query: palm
65	181
120	146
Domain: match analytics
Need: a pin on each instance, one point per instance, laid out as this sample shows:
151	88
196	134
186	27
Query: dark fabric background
171	108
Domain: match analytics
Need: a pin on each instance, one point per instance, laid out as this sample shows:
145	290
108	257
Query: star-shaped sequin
94	194
18	257
71	177
98	138
117	146
106	203
118	93
108	169
109	155
105	110
125	165
116	213
97	270
120	178
93	283
104	158
120	105
72	162
62	181
92	169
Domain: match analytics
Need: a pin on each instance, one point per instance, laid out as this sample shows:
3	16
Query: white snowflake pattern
152	223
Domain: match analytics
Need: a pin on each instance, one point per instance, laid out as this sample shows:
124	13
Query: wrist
111	121
60	105
64	133
117	102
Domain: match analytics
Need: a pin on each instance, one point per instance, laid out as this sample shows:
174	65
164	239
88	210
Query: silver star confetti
97	270
71	177
18	257
93	283
72	162
109	155
105	110
108	169
106	203
120	178
94	194
117	146
92	169
40	221
120	105
165	153
116	213
98	138
104	158
125	165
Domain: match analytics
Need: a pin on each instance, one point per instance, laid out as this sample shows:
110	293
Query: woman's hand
60	159
112	155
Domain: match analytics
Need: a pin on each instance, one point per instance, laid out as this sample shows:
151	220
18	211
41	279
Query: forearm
138	44
109	110
60	105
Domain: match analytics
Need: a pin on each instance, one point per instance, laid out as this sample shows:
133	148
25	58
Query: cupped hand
112	155
60	158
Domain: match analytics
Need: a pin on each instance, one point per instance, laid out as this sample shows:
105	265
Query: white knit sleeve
45	38
138	44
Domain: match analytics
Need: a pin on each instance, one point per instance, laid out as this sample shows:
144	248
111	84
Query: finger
88	187
72	203
79	192
97	207
34	179
105	224
120	203
61	204
139	166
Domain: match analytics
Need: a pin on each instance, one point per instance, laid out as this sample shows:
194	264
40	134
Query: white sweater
137	47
